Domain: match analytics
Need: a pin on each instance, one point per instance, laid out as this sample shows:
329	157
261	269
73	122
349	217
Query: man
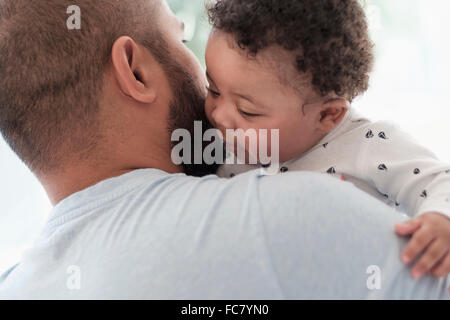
91	112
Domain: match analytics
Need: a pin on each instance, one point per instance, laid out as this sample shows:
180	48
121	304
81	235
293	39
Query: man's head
291	65
109	92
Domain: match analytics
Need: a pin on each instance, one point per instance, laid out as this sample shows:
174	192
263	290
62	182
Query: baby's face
247	94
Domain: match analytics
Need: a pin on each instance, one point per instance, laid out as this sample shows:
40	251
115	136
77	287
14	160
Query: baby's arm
407	173
412	176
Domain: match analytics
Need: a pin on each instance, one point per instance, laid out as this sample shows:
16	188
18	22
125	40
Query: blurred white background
409	85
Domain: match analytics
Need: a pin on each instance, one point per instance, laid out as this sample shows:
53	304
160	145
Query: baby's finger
419	241
442	268
435	251
408	227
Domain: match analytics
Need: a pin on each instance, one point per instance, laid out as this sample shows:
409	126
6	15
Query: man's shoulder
294	190
284	191
5	274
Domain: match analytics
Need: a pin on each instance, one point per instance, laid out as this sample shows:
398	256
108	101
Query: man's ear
331	114
132	70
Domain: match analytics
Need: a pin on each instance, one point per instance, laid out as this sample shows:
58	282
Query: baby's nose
222	119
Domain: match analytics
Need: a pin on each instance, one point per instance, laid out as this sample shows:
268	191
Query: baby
296	65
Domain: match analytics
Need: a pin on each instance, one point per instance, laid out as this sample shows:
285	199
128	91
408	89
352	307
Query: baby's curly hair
330	38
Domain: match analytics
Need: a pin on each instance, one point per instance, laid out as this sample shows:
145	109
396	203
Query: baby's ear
331	114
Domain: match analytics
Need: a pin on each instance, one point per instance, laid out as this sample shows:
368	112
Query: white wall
410	84
23	207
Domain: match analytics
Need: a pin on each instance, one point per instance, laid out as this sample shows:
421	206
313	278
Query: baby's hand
432	237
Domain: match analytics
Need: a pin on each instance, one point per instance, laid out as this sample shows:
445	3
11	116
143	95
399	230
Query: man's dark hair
51	78
329	37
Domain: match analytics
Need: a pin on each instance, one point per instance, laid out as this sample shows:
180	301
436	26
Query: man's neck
63	184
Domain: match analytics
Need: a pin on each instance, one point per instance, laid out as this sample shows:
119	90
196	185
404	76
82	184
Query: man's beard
188	106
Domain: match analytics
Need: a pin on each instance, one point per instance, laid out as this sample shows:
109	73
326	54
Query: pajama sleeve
404	171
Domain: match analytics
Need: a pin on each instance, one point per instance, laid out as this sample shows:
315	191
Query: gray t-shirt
151	235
